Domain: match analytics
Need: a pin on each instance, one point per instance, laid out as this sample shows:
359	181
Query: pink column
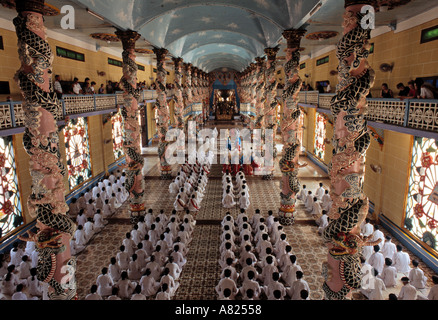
134	182
42	109
351	141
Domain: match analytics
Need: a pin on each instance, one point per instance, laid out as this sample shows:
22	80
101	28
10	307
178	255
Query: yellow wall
411	60
67	68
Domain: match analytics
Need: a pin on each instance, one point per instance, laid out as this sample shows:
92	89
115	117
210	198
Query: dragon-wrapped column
289	166
163	113
179	100
134	182
42	109
351	140
270	107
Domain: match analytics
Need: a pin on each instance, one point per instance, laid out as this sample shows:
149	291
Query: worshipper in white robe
89	229
104	283
136	235
137	295
24	267
73	208
228	200
80	236
322	222
98	202
284	259
226	283
193	204
378	234
302	194
433	292
367	228
74	249
125	285
135	271
129	244
107	210
408	291
244	201
326	201
123	258
174	186
91	209
164	293
148	246
274	285
179	203
120	196
376	290
149	286
99	222
377	260
93	295
402	261
19	294
389	274
114	270
389	249
319	192
174	269
289	274
250	289
416	276
81	218
33	285
266	276
155	268
178	257
298	285
308	204
171	283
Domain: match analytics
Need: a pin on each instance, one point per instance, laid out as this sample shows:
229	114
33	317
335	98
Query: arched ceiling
208	34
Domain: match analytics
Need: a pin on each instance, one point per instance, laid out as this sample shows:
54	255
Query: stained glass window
117	125
422	201
10	205
320	133
77	151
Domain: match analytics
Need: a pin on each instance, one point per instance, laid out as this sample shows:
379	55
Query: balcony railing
12	113
418	114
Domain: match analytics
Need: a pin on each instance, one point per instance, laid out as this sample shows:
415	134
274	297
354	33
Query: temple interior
339	103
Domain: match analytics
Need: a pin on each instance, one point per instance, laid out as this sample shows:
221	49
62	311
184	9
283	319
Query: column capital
128	38
28	5
293	37
178	62
271	53
349	3
160	53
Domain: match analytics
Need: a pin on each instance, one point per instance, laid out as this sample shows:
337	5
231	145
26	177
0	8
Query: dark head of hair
304	294
300	274
388	261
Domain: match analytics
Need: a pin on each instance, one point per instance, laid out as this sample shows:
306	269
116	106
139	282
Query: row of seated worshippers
257	261
18	274
189	186
150	260
237	193
389	264
92	208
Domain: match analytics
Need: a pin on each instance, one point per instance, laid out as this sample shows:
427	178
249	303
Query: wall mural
422	201
10	204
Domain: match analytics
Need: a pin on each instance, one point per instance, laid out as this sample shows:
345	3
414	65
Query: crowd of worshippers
93	207
237	193
387	262
257	261
19	268
150	259
189	186
317	204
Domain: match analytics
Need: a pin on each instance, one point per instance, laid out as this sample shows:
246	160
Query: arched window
422	201
10	205
77	152
117	125
320	134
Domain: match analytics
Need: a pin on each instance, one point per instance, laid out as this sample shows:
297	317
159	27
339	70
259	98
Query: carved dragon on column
270	103
179	100
163	113
289	166
42	109
259	90
134	182
351	140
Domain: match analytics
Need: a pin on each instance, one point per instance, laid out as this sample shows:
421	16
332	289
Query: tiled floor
201	273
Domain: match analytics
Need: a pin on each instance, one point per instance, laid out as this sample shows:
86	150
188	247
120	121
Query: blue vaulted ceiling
208	34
